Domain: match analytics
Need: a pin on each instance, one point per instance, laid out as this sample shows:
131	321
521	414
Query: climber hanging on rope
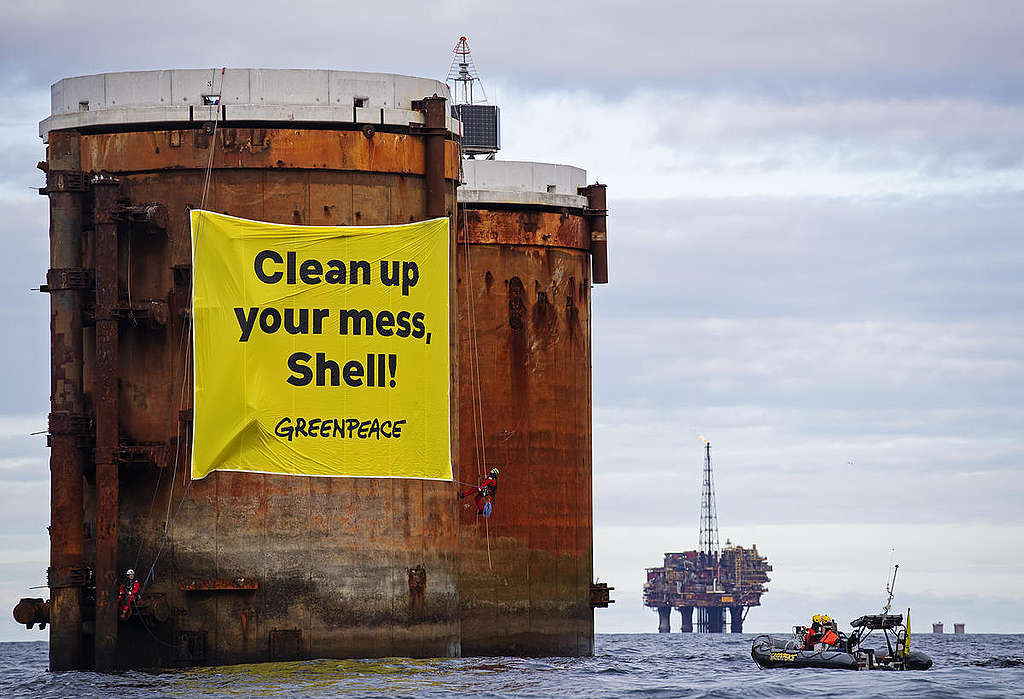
126	595
484	493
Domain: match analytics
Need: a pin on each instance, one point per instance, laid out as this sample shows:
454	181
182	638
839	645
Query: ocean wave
640	665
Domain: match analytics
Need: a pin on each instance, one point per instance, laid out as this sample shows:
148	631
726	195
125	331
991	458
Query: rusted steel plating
255	181
524	313
65	186
264	149
218	584
522	226
105	193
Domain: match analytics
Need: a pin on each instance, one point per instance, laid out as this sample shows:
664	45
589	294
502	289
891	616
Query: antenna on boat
890	586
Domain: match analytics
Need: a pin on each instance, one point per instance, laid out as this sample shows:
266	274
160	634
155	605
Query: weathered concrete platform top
517	182
241	94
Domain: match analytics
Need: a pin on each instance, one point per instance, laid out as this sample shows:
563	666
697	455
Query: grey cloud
800	334
24	314
799	486
26	468
23	454
855	260
938	135
667	144
18	172
25	509
783	47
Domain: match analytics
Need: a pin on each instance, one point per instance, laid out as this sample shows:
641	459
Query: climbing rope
476	392
182	373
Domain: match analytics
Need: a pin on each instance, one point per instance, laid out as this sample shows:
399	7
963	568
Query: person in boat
830	637
823	632
813	633
484	492
127	593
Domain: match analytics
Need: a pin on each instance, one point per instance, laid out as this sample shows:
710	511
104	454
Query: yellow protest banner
320	350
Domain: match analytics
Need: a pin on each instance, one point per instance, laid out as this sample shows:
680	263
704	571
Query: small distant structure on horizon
937	627
959	629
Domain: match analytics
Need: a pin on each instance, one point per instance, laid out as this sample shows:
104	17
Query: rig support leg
716	619
687	614
736	619
105	397
67	562
664	619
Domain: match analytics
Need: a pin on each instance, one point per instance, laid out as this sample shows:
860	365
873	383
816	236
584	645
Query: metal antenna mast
708	512
464	74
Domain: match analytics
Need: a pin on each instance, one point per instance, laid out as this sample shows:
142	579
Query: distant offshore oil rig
709	579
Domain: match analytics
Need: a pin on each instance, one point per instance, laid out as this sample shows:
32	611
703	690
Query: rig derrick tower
708	542
710	578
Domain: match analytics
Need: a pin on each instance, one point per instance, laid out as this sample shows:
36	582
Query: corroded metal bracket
69	423
596	212
219	585
152	215
70	576
64	181
154	312
600	595
68	278
140	453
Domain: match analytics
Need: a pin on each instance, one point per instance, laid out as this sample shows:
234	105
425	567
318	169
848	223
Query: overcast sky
815	250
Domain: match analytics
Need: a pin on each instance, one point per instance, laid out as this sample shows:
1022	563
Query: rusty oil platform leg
715	619
65	282
736	619
664	619
105	400
687	614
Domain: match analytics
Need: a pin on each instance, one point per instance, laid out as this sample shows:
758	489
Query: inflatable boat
773	652
848	653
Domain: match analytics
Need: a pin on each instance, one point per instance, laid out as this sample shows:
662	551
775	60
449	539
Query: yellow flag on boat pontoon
906	641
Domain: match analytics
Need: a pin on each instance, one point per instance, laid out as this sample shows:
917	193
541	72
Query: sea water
642	665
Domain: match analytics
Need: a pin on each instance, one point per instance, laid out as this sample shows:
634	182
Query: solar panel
481	127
